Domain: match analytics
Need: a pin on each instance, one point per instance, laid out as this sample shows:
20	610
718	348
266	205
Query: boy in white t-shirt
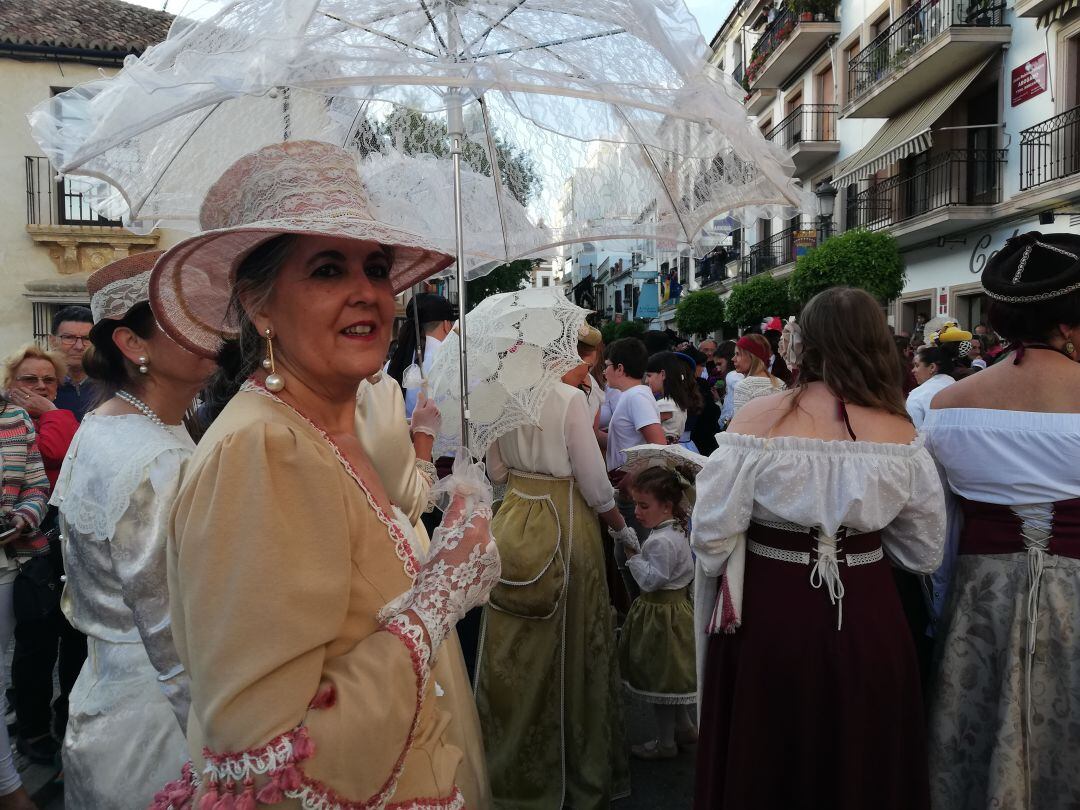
636	417
635	420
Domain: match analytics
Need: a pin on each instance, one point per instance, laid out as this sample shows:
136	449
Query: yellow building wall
23	84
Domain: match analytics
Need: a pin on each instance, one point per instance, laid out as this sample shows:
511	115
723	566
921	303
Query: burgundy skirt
797	714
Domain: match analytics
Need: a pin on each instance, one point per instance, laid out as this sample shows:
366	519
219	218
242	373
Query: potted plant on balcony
803	9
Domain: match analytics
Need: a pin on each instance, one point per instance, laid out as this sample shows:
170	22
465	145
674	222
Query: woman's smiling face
331	311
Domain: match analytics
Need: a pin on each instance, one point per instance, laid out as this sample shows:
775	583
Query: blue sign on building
648	301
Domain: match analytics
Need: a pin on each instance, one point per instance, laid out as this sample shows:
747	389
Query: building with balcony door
783	55
957	124
51	238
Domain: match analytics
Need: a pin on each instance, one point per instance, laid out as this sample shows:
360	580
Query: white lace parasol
519	345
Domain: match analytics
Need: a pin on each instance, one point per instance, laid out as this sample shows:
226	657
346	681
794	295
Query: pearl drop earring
274	381
144	365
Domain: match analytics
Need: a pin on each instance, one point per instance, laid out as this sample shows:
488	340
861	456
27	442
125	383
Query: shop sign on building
1029	80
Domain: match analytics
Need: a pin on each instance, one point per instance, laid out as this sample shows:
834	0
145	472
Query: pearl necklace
142	407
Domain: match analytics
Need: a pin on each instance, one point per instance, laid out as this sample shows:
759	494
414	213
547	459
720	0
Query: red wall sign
1029	80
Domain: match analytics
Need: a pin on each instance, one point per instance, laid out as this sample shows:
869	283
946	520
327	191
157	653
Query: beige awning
1056	13
907	134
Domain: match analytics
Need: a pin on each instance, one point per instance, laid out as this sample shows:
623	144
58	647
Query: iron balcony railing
774	35
50	201
1050	150
807	122
912	31
774	251
958	177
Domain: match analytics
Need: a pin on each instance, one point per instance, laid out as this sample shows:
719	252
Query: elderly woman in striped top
22	508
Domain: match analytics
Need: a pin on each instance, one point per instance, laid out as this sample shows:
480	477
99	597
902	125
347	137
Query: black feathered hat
1033	267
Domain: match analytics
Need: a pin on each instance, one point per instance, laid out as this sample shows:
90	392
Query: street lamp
826	194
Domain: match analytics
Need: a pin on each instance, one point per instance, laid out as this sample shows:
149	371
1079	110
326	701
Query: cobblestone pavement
661	785
665	785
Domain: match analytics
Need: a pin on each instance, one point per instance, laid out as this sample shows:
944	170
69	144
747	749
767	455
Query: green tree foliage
504	278
614	331
700	313
759	298
858	258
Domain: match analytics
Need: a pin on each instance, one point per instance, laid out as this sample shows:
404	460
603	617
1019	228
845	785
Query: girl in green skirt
656	646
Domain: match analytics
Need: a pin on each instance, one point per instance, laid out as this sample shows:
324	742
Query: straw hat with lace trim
299	187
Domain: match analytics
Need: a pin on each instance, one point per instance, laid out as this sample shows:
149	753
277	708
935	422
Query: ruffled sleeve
263	583
915	539
725	502
586	460
137	553
663	557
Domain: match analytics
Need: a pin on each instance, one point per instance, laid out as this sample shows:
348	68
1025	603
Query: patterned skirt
1005	725
656	648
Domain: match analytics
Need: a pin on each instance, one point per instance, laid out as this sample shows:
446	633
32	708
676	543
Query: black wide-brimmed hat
1033	267
431	308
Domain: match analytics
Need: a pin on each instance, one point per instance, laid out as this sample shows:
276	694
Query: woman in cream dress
307	622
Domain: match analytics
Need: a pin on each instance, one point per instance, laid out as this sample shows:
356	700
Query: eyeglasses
71	340
31	379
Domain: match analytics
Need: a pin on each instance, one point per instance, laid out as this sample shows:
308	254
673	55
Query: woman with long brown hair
809	668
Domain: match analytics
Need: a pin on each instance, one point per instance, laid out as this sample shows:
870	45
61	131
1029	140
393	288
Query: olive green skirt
656	648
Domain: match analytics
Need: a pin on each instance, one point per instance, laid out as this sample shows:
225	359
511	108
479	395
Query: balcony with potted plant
792	36
927	46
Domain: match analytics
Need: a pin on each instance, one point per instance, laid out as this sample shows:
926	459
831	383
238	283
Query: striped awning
1056	13
907	134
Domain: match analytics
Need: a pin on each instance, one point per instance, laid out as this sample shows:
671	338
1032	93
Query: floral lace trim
428	470
401	543
230	777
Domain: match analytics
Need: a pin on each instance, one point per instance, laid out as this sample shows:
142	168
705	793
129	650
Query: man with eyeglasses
71	336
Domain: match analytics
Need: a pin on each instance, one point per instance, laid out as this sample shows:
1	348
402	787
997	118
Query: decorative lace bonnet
117	287
298	187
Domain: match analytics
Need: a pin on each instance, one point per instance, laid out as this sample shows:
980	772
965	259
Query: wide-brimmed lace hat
1034	267
298	187
117	287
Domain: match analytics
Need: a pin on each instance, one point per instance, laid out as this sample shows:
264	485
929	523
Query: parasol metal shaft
455	128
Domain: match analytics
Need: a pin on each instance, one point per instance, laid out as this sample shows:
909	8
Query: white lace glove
426	417
462	567
627	536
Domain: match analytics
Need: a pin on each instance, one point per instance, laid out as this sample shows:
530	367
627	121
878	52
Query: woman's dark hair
946	356
1033	323
664	485
103	361
631	354
680	384
847	345
239	357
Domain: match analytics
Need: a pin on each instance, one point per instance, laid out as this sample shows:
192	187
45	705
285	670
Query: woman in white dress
933	368
547	676
810	693
1005	696
752	354
129	706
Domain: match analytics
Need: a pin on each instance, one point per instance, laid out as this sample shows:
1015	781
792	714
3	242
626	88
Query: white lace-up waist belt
825	569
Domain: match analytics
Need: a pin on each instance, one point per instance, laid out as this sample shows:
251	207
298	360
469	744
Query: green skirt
547	674
656	648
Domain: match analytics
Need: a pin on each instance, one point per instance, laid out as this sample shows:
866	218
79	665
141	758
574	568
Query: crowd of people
839	563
